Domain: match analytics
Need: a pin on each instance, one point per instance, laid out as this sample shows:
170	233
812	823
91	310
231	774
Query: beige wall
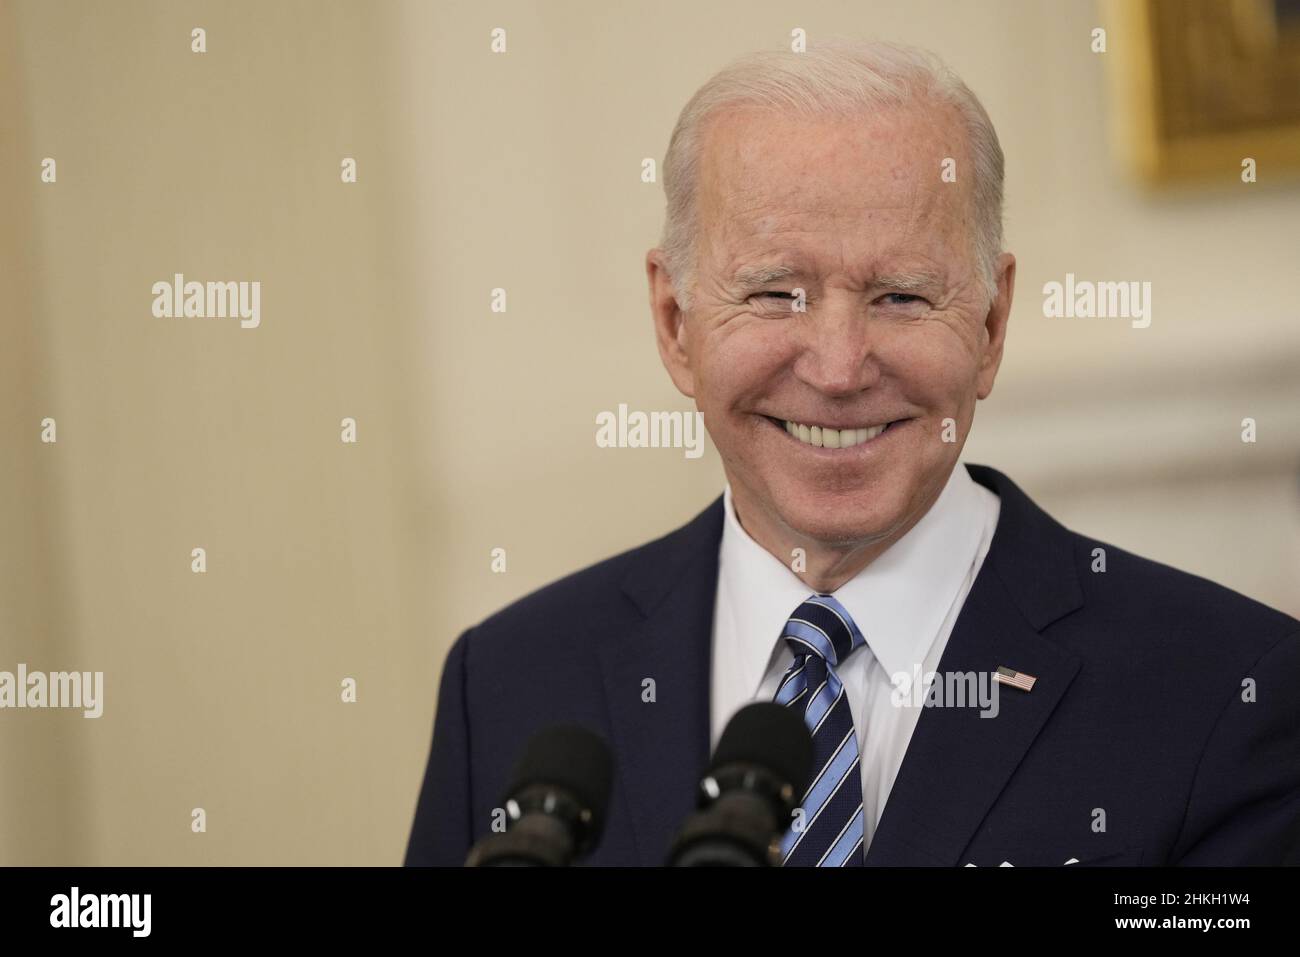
520	171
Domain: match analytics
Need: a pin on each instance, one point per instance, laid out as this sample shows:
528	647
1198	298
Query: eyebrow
909	282
751	277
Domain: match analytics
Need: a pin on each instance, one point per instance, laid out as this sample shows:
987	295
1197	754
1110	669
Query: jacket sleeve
1245	800
441	834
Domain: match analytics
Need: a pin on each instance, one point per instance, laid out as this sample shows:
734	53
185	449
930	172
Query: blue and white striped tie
821	634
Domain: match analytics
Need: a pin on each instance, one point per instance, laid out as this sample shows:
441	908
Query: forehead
855	186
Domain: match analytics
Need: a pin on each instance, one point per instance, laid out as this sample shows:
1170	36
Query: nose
837	358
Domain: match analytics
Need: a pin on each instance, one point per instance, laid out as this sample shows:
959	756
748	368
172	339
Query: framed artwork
1201	87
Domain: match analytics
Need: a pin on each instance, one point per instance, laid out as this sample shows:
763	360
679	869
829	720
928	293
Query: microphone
556	804
759	773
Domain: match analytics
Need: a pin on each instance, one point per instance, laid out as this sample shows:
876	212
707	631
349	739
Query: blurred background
520	170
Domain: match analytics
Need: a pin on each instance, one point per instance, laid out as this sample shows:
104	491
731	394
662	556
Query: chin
851	516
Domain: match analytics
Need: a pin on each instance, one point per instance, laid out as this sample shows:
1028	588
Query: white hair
836	77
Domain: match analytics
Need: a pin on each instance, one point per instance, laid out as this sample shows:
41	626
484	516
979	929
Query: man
832	292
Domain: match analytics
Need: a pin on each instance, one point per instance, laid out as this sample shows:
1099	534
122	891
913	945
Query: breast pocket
1130	856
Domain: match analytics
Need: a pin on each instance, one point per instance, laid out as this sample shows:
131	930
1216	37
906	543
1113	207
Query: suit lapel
663	745
957	762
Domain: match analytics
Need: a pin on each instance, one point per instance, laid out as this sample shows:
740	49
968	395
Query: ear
670	323
995	324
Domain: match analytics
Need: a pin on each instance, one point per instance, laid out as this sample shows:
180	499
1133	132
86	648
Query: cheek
739	365
934	364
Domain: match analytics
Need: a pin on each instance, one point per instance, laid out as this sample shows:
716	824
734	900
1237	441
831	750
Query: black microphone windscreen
771	736
570	757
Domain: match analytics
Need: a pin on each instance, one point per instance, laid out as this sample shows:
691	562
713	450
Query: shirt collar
899	601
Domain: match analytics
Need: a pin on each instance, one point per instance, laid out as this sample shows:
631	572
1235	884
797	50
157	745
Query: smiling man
829	416
832	292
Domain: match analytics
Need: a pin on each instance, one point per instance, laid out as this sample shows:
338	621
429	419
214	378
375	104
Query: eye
900	299
773	294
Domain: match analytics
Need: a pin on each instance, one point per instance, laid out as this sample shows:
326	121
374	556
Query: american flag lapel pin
1016	679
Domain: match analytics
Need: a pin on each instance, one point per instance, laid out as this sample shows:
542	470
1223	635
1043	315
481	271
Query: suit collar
1030	549
1032	553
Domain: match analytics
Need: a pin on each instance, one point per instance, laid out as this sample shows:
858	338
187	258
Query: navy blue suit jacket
1141	742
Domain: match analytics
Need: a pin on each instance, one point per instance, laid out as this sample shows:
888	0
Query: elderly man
832	292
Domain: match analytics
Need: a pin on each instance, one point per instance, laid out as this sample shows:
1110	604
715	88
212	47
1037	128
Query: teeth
832	438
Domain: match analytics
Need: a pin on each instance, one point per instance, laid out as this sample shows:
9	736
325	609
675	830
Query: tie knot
821	626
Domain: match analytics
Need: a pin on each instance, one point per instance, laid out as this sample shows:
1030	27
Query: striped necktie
821	634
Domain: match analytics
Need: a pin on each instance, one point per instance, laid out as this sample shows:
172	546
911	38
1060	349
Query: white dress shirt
905	603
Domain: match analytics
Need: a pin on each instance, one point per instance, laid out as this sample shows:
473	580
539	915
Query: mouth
831	437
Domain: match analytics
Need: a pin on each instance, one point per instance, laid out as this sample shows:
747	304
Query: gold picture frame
1200	86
